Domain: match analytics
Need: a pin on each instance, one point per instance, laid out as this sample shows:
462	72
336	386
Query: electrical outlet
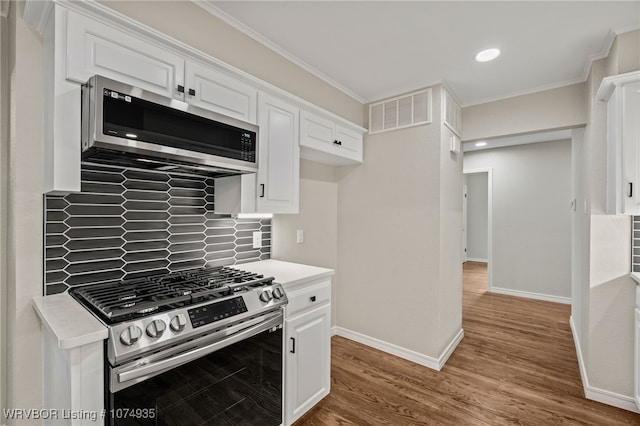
257	239
299	236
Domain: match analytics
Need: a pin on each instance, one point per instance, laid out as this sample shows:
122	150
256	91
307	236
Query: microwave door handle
175	361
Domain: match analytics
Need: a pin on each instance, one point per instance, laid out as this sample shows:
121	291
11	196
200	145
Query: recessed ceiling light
481	144
487	55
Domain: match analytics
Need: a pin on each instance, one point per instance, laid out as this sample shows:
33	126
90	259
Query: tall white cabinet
279	156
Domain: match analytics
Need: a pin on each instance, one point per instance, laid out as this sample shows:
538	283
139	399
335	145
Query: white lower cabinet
308	349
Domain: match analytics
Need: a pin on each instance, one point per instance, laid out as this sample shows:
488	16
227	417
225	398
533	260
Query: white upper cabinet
278	156
622	94
84	39
97	48
216	91
325	141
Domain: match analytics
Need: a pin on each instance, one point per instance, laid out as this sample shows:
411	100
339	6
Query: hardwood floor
516	365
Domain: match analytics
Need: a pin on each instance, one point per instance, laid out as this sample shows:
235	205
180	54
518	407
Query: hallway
516	365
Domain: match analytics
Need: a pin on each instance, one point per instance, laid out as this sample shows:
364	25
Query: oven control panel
207	314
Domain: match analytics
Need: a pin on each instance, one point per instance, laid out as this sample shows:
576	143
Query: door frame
489	171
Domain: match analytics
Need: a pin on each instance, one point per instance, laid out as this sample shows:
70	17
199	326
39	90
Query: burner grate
123	300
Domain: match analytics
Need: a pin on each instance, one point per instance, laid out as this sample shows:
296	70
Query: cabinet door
325	141
218	92
316	131
350	143
630	133
308	361
636	385
278	156
96	48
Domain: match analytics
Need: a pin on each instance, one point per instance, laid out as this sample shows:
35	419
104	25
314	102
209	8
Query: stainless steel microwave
128	126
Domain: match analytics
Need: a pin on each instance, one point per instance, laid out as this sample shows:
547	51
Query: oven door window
237	385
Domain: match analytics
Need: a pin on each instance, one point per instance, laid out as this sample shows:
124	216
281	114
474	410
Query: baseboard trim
531	295
399	351
475	259
444	357
597	394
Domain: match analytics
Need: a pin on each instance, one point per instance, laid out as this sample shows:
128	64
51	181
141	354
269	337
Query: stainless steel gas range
201	346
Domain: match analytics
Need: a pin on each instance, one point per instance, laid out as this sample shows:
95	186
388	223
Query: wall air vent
452	113
403	111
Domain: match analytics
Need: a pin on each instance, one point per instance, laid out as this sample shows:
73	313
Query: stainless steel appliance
201	346
125	125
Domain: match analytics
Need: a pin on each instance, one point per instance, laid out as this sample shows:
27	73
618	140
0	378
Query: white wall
318	218
4	143
399	239
608	300
477	216
24	215
450	264
531	217
561	108
580	231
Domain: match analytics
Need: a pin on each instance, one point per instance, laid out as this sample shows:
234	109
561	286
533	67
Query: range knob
178	323
265	296
130	335
278	293
156	328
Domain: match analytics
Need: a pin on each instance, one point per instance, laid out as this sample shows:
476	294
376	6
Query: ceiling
377	49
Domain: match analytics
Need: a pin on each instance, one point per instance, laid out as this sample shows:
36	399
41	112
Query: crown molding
36	13
233	22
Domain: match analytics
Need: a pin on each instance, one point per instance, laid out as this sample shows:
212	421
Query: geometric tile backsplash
635	255
127	223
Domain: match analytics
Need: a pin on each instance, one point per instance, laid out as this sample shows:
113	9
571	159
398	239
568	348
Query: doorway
477	218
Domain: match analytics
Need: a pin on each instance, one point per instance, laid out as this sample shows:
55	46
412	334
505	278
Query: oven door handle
177	360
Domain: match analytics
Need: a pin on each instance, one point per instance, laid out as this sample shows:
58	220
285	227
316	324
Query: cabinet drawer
308	298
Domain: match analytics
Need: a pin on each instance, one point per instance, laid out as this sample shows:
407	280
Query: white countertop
70	323
636	277
286	273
